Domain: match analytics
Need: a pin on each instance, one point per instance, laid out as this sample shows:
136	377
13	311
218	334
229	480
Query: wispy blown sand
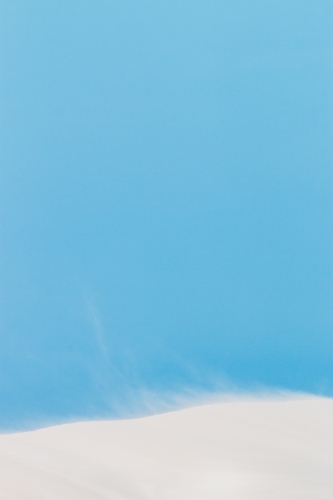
252	449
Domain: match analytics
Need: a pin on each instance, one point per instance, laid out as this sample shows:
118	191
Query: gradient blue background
166	201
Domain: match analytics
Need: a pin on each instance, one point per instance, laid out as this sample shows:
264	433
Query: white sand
252	450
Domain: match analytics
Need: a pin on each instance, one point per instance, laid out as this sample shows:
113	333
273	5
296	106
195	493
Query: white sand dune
252	449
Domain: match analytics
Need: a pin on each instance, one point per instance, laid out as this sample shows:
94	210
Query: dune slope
251	449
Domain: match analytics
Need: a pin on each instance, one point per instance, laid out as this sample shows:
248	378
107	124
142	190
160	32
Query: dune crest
261	449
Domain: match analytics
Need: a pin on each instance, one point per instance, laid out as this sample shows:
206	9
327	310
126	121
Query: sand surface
252	449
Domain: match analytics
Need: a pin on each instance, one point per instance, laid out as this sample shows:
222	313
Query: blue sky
166	200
